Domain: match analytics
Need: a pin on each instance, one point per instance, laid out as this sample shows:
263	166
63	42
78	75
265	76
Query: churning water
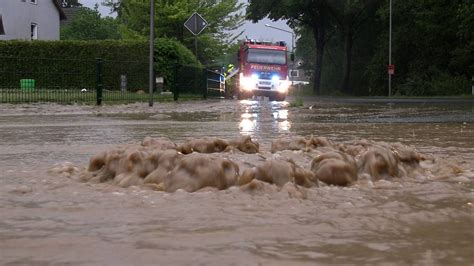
49	217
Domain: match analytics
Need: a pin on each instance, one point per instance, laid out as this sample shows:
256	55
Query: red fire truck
263	70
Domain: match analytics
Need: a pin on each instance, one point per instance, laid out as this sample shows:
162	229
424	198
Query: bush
171	55
434	83
448	85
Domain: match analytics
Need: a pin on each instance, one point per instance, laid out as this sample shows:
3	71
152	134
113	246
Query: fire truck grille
265	75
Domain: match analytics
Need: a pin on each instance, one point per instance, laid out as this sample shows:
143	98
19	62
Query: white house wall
18	17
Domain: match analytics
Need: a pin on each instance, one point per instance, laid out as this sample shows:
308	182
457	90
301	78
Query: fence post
98	85
204	82
176	81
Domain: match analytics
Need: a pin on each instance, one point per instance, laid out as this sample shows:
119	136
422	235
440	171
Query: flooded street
49	218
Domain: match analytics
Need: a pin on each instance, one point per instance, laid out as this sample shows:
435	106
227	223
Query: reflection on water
280	114
284	126
247	126
255	113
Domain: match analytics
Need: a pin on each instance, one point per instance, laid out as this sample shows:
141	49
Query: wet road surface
50	219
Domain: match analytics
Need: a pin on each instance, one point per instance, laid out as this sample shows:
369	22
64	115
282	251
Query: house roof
62	16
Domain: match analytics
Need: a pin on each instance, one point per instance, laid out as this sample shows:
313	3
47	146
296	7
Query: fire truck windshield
266	56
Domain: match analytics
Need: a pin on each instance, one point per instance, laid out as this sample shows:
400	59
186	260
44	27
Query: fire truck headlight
275	78
255	77
284	85
247	83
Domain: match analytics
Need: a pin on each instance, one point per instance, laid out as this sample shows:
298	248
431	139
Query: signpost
391	69
390	52
195	24
152	53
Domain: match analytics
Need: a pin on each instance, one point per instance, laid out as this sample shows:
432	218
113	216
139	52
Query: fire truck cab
263	70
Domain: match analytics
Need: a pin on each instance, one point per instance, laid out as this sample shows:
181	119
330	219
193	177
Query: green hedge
72	64
76	50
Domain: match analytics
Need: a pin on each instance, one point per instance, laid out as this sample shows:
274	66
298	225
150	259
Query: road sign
195	23
391	69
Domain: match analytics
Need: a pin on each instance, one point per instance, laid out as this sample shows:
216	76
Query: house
30	19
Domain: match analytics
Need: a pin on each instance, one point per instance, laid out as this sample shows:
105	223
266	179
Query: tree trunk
319	35
348	43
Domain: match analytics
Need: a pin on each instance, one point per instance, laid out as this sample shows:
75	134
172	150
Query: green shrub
448	85
171	58
297	102
434	83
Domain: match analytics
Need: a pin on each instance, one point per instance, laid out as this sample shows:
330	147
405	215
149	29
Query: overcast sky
251	30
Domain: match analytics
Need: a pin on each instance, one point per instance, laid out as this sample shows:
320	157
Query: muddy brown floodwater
49	217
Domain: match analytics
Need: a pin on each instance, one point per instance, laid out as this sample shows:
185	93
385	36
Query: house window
34	31
34	1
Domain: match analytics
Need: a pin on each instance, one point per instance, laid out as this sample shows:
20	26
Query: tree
223	16
314	15
70	3
351	16
89	25
463	54
432	48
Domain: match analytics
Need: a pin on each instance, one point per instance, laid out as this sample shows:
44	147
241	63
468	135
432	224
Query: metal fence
215	84
96	81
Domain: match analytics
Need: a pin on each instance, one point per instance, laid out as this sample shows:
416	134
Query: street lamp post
292	45
152	51
291	32
390	52
2	30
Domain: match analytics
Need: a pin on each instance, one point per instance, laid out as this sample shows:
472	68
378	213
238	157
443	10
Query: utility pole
152	52
390	52
2	30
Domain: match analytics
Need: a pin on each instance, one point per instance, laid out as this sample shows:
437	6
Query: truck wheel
281	98
243	95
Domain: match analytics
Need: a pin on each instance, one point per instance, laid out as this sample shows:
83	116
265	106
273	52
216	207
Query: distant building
30	19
